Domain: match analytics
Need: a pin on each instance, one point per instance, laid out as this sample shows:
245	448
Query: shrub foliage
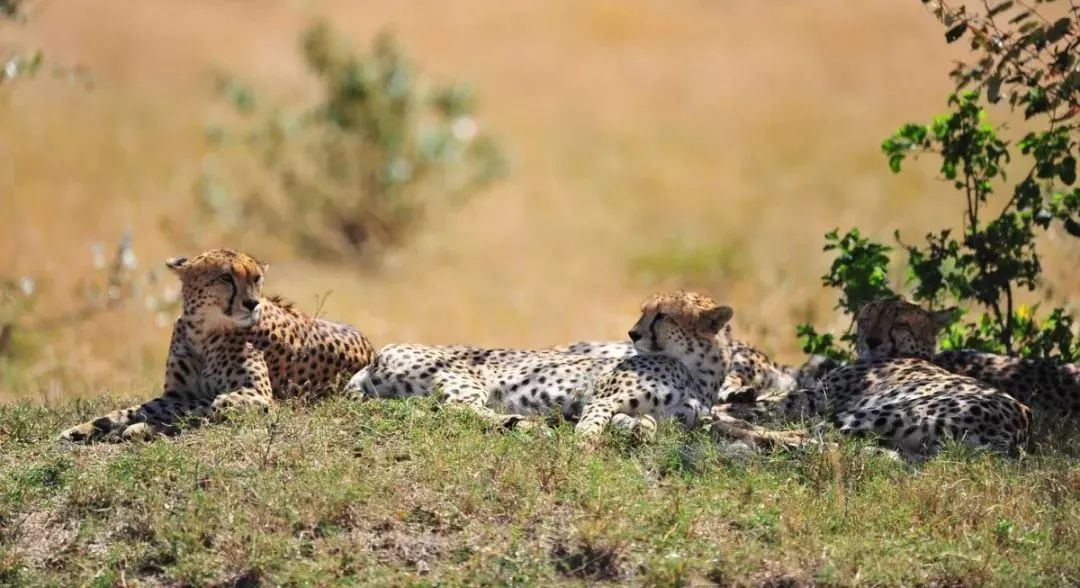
356	170
1027	58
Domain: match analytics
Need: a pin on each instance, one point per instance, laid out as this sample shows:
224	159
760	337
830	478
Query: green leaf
1019	17
1058	30
1000	8
956	32
1072	227
1067	170
993	88
894	162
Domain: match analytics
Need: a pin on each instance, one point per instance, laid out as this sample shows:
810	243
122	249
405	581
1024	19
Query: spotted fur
894	392
232	348
504	386
684	355
1046	386
751	373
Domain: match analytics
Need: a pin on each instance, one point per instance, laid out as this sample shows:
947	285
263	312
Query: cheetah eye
226	278
257	279
659	316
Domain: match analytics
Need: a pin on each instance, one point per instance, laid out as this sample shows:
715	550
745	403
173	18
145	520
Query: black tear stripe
652	332
232	297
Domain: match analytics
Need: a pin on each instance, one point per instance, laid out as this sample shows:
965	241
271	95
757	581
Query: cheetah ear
714	319
176	264
945	317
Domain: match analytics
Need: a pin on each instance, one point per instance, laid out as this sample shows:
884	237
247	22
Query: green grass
397	493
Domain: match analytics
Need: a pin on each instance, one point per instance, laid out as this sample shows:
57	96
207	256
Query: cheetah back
1042	384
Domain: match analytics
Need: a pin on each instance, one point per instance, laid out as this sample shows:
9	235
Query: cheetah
231	349
894	392
684	356
616	349
751	372
505	387
1044	385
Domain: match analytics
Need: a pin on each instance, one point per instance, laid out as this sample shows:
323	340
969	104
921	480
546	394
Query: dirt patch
587	561
41	536
416	546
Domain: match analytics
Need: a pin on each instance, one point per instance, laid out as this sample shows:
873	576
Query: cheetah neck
708	364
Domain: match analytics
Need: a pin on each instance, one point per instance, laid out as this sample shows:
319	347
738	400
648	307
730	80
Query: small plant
116	282
1031	61
17	298
357	170
15	61
18	61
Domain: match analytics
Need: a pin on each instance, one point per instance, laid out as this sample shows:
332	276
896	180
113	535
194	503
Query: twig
272	430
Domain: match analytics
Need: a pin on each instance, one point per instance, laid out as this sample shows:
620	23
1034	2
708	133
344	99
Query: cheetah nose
251	305
873	342
634	335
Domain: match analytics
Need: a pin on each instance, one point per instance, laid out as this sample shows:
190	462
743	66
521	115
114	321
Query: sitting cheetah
232	348
896	393
684	357
1042	384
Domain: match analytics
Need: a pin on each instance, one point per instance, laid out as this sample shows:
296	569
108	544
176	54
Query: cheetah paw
519	422
742	395
643	428
142	432
83	433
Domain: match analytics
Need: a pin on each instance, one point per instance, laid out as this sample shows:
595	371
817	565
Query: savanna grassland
651	145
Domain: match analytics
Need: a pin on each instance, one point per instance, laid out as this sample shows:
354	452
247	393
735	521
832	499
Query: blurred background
632	146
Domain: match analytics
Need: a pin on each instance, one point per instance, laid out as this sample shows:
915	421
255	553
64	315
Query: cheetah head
894	327
678	324
221	288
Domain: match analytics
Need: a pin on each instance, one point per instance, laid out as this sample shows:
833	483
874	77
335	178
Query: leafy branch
1030	61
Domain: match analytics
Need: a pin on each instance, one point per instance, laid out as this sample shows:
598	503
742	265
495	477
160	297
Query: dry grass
653	144
642	134
393	493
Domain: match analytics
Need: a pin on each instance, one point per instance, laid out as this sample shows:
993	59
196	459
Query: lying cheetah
1042	384
232	348
894	391
684	357
751	372
504	386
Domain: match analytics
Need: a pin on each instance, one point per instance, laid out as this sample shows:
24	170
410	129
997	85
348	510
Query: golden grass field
646	139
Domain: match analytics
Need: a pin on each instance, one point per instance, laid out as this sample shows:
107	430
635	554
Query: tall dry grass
646	139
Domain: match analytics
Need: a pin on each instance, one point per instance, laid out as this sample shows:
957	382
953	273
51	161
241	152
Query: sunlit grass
393	492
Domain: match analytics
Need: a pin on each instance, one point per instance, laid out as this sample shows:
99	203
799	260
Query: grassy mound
397	492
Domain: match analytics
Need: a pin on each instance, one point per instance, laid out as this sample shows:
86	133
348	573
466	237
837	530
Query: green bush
355	171
1030	61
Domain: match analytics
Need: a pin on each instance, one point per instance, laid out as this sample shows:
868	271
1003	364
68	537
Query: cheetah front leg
595	417
724	426
228	382
232	382
160	414
643	428
736	388
237	382
180	396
